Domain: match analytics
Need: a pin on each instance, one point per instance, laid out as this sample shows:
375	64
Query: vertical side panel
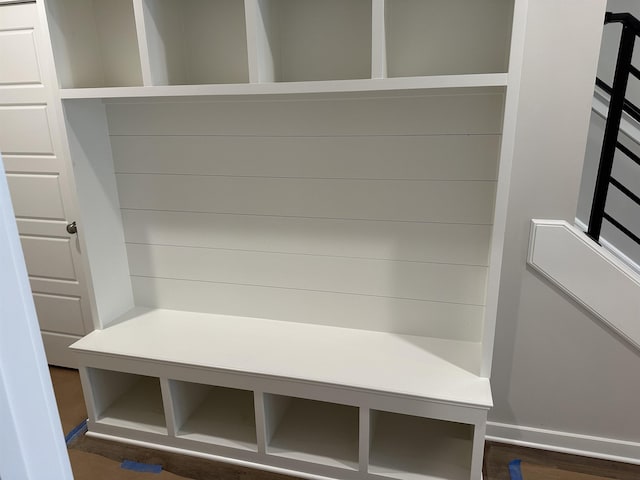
143	43
275	407
261	421
378	40
99	206
364	438
169	400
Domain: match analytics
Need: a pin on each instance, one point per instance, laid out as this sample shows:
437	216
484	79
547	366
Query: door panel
18	57
48	257
36	195
25	129
58	313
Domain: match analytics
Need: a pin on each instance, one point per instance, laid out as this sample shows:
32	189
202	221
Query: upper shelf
481	82
231	47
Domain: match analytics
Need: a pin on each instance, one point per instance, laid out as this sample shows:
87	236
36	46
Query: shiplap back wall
361	213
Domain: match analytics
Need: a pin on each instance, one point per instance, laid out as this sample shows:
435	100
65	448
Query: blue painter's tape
514	470
79	430
141	467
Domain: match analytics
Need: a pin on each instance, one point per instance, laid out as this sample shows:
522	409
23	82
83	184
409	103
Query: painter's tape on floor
514	470
77	431
141	467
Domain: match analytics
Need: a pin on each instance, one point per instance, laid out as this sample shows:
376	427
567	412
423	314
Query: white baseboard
564	442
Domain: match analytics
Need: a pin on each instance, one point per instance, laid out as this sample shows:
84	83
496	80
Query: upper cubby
195	41
95	43
445	37
299	40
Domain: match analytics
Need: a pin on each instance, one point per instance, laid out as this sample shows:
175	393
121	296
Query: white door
38	182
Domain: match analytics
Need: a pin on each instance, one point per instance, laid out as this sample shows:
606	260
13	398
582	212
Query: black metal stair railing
610	144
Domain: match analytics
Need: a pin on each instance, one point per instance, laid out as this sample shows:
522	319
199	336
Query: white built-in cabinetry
292	212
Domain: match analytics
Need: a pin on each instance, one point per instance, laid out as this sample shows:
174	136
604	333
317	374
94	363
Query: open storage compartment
312	40
94	43
445	37
211	414
312	431
412	448
127	400
196	41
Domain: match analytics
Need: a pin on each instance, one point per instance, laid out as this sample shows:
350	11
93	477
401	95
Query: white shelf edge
281	88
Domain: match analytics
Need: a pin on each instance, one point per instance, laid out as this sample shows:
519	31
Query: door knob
72	228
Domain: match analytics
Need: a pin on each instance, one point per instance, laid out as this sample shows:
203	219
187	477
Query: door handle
72	228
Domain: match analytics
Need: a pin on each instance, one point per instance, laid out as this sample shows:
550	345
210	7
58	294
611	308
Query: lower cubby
416	448
211	414
127	400
312	431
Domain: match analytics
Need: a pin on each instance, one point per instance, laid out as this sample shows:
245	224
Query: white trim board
565	442
589	274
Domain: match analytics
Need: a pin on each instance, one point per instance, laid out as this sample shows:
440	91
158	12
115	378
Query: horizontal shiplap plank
411	317
25	129
36	195
48	257
442	157
436	114
427	242
413	280
428	201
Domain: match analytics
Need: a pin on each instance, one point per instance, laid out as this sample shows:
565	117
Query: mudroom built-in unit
292	215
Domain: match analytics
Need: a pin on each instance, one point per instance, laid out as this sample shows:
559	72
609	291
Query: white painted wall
555	367
31	440
624	169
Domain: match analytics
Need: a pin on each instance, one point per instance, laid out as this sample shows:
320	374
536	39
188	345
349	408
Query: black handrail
617	105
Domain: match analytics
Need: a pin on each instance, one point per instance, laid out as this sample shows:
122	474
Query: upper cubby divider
300	40
95	43
192	42
447	37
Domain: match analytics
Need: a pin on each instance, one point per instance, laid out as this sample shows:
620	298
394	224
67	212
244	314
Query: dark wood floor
497	456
